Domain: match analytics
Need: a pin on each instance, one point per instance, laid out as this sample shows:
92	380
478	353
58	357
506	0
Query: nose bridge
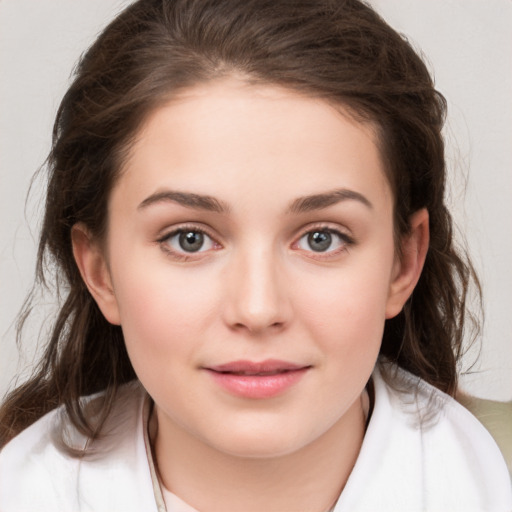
258	298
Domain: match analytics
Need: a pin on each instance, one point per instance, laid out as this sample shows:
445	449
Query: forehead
232	139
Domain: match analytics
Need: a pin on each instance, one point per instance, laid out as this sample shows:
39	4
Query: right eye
187	241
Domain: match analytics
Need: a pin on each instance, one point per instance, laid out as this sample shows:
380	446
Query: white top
422	452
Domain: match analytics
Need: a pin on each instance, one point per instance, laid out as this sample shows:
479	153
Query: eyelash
163	241
345	240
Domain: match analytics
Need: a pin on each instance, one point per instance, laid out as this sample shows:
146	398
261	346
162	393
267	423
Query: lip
257	380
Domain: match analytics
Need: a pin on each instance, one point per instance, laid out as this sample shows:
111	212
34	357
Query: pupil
191	241
320	241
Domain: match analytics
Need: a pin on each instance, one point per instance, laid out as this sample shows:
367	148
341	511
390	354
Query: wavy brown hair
338	50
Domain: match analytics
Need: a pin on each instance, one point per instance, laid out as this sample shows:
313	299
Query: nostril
254	327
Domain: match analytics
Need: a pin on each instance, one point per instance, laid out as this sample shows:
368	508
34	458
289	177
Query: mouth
258	374
257	380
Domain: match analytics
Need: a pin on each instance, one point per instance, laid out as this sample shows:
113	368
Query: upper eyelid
170	231
324	226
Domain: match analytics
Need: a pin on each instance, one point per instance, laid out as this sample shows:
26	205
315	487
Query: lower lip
258	386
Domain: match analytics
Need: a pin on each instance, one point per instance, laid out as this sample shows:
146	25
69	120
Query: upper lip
269	366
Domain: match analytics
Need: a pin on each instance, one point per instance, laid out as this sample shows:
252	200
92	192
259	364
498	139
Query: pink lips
263	379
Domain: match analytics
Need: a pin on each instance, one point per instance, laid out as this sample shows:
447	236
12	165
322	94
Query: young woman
264	304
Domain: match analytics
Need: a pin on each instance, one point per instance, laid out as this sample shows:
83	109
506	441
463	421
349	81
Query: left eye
189	240
321	240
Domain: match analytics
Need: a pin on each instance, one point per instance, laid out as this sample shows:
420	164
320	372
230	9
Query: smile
257	380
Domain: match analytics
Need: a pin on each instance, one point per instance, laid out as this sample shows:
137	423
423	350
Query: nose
257	301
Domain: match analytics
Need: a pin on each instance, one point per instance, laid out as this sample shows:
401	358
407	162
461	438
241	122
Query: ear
407	268
91	262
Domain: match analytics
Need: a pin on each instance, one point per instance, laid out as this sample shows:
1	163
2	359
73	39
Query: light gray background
467	42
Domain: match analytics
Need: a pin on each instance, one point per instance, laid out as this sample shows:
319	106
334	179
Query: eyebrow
320	201
300	205
187	199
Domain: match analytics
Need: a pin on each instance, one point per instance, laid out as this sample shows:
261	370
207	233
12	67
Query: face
250	262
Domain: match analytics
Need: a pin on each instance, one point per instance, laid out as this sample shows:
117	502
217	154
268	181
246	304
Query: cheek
347	325
346	309
162	311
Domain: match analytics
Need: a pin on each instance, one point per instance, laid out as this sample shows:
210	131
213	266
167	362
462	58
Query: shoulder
496	417
37	473
424	451
28	467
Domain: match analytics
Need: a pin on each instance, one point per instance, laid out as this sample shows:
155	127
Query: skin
256	289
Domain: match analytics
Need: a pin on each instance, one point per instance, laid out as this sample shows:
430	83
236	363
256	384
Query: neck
310	478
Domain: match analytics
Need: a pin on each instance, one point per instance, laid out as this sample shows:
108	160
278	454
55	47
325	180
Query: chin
265	442
260	448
